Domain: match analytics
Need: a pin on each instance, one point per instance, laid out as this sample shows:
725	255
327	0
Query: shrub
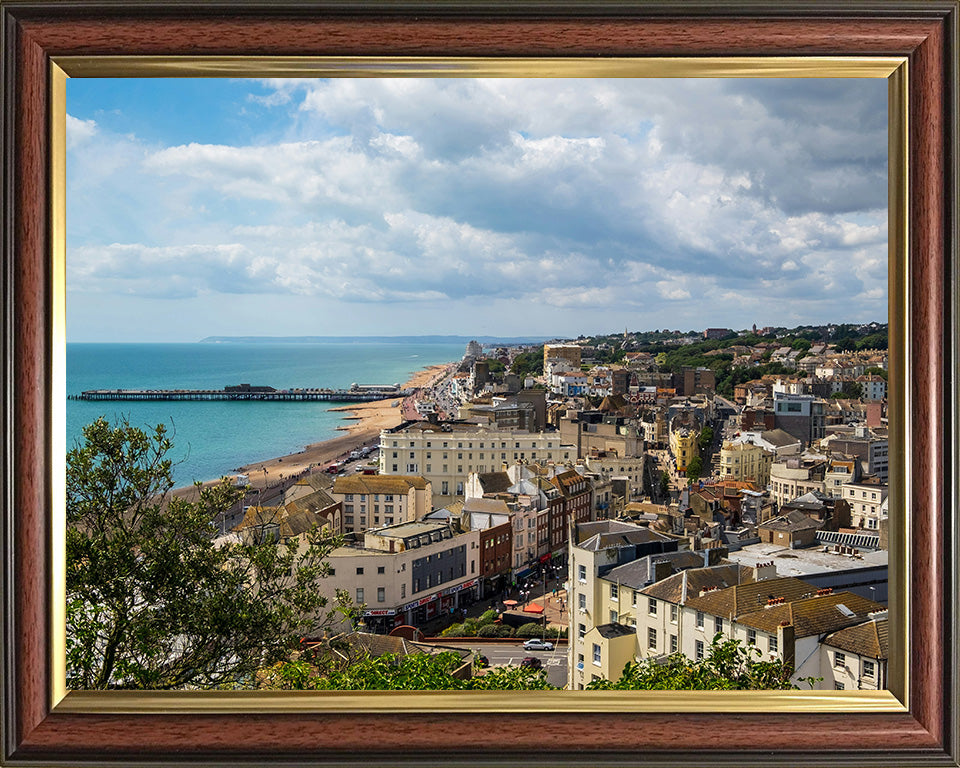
533	629
454	630
504	630
488	617
489	630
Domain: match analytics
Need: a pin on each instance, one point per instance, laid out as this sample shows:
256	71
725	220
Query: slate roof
494	482
603	541
610	631
866	639
793	521
639	573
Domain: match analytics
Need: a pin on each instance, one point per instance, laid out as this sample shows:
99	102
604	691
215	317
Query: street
511	653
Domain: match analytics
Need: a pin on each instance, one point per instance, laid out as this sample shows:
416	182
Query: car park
535	644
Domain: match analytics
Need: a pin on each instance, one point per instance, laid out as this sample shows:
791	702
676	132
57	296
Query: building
492	518
795	477
799	415
683	446
569	353
598	432
695	381
371	501
869	447
793	529
867	502
855	658
407	573
783	617
746	462
596	549
446	454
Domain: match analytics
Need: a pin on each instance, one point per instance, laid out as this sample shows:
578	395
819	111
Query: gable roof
367	484
494	482
866	639
813	615
793	521
741	599
688	584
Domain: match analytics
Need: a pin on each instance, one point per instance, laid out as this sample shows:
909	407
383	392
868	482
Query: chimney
786	642
661	569
763	571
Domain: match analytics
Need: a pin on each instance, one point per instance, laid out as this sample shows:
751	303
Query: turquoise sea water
213	438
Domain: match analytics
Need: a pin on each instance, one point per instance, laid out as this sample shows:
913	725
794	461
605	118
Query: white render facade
447	458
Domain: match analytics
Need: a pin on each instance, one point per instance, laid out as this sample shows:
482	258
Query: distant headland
373	339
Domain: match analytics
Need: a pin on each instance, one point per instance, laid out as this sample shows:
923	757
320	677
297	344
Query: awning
533	608
510	603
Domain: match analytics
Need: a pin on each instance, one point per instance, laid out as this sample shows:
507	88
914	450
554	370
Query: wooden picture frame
40	727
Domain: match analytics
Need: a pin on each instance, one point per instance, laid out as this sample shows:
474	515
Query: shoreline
362	427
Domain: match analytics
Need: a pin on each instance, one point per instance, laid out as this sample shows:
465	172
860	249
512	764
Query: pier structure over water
246	392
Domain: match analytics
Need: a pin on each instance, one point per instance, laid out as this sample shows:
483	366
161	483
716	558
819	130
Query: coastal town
589	502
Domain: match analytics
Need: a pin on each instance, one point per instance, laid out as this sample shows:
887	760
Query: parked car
533	662
535	644
482	661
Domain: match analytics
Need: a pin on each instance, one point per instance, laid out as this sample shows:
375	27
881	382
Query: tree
152	601
729	665
664	483
706	439
695	468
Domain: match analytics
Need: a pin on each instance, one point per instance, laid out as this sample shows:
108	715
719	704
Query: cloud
634	196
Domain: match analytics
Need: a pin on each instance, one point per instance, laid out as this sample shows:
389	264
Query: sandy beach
365	420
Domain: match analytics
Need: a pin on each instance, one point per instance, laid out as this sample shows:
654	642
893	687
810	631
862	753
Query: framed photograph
913	46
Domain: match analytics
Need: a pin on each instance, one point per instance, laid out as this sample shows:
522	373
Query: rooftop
805	562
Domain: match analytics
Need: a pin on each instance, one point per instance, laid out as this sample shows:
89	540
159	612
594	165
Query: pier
245	392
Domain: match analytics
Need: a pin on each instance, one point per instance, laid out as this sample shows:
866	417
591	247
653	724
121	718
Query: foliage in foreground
729	665
392	672
152	601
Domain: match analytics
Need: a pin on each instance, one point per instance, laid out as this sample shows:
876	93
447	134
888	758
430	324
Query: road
511	653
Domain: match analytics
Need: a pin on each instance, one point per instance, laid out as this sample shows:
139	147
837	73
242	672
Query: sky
504	207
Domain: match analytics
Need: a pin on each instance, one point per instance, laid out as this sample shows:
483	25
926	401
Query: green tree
706	438
729	665
695	468
664	483
152	601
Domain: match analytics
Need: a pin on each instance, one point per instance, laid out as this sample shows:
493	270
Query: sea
212	439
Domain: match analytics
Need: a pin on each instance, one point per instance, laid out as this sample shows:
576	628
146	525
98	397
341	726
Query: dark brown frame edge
925	32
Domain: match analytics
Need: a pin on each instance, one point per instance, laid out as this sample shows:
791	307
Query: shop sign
418	603
380	612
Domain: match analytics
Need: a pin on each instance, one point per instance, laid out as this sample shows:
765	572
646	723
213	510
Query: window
582	603
359	571
838	686
403	590
839	660
651	606
651	638
773	645
674	611
615	592
699	650
673	644
381	595
582	573
699	619
359	594
718	624
614	617
581	631
596	654
751	637
869	669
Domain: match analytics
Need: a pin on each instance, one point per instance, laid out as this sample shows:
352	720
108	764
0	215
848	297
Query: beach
365	421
